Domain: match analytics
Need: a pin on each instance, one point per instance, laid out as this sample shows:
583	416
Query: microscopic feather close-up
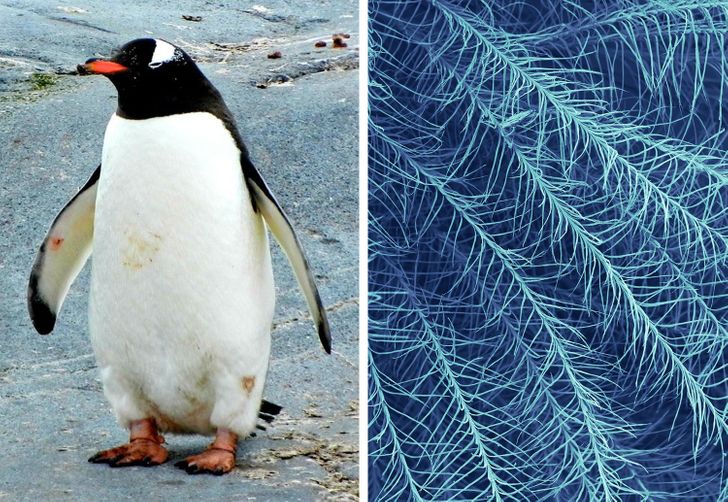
548	250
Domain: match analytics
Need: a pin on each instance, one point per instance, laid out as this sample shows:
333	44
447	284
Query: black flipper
282	230
61	257
264	202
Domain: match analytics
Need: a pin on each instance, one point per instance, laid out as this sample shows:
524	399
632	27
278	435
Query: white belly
181	285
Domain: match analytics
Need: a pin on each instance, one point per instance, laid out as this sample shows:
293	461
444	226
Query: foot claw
138	452
213	461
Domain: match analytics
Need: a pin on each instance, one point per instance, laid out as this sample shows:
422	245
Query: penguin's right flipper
65	249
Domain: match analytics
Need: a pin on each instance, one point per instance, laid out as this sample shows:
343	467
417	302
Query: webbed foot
144	448
218	459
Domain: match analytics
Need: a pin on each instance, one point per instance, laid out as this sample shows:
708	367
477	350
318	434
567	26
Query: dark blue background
548	246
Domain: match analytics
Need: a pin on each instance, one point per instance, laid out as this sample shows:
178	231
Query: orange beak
103	67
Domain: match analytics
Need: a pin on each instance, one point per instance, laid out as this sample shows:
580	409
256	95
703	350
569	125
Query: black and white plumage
182	294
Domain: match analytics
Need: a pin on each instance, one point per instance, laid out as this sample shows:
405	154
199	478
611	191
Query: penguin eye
155	64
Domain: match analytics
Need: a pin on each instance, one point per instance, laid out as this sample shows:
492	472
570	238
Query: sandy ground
298	115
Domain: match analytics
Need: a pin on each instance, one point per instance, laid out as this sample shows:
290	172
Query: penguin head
153	78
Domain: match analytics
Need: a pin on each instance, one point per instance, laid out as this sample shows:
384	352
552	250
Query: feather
548	250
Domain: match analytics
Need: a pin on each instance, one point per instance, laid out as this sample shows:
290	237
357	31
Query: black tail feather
269	408
268	412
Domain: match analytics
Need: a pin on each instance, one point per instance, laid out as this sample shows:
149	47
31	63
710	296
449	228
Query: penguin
182	296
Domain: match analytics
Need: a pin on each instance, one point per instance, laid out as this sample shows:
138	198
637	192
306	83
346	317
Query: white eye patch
163	52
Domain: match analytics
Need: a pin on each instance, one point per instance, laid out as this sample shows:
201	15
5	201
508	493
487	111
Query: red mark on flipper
56	243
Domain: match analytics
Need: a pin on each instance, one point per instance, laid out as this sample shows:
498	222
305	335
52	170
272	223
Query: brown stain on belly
166	423
140	248
248	384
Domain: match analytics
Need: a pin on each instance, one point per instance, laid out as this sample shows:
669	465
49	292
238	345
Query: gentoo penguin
181	297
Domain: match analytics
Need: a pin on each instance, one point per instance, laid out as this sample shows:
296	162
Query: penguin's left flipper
282	230
65	249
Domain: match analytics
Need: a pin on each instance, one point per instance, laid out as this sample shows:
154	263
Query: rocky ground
298	114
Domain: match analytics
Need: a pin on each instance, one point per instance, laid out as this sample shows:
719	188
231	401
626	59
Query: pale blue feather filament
548	250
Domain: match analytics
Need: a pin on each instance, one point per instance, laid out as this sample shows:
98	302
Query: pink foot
218	459
144	448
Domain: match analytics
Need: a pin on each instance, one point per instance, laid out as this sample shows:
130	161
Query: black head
155	78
